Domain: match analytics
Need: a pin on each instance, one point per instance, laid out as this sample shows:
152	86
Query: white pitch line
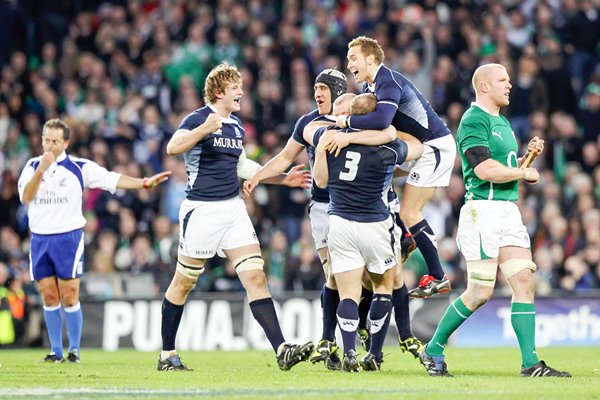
68	393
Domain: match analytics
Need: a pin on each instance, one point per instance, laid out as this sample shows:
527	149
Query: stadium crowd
124	73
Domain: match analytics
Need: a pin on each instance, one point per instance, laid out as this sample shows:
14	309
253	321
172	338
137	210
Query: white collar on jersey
227	120
372	85
330	117
480	106
61	157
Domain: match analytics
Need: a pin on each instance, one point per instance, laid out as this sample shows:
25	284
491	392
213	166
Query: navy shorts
59	255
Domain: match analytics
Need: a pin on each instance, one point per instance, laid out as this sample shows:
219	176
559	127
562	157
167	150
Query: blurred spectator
276	259
589	113
225	279
305	272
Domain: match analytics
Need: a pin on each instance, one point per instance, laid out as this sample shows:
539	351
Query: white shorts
434	167
208	227
354	245
486	225
319	220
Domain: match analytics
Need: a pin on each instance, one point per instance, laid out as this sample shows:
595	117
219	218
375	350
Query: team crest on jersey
415	177
238	133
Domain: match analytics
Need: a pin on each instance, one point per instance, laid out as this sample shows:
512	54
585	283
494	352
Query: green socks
455	315
522	318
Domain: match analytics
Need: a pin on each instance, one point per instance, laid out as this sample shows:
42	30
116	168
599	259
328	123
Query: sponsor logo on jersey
228	143
497	134
51	200
218	132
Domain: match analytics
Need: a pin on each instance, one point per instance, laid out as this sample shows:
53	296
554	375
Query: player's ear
370	59
484	87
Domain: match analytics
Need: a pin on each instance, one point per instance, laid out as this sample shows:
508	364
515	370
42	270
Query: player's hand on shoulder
298	177
213	122
325	140
47	160
338	142
340	121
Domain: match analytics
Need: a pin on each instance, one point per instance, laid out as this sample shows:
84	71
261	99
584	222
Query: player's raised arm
320	168
33	183
129	182
311	129
296	177
184	139
274	166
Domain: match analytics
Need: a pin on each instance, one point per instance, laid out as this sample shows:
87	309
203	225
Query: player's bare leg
248	264
414	199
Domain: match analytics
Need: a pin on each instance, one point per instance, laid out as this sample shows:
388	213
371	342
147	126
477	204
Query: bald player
491	233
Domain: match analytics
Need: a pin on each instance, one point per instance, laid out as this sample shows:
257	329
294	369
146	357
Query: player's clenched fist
47	160
536	145
213	122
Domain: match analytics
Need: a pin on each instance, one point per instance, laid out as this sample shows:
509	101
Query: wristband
347	121
145	183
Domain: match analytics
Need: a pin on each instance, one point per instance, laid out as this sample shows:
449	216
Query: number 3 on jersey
352	160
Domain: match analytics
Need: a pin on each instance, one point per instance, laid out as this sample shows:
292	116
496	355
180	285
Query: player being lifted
362	231
400	104
329	85
491	233
213	218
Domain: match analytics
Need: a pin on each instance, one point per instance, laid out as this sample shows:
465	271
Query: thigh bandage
515	265
482	272
248	262
190	271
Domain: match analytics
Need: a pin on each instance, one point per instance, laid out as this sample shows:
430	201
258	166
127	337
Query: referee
52	185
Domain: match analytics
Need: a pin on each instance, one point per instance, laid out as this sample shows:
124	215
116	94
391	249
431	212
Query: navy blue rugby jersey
360	179
399	103
316	194
211	165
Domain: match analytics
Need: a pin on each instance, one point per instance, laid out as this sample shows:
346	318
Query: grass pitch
127	374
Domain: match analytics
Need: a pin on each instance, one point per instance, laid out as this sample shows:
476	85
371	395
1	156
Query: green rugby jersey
479	128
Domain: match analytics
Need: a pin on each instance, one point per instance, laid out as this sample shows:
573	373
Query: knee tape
190	271
249	262
515	265
482	273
